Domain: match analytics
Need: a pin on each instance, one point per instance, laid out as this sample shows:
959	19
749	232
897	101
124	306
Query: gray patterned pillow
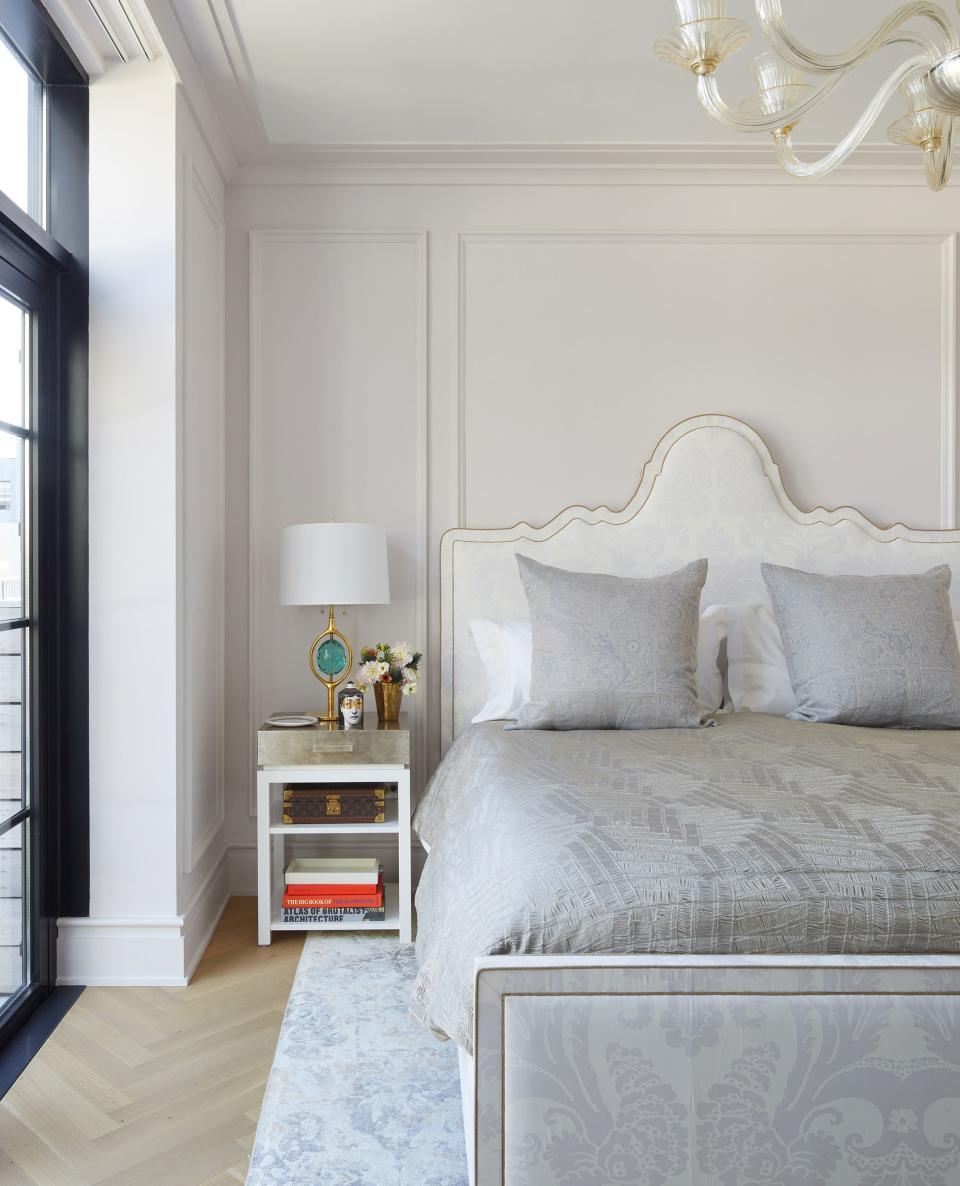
612	652
869	650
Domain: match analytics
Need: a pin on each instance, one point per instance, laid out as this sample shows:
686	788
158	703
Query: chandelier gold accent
928	79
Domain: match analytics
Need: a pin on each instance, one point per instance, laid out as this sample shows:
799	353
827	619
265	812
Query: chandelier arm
938	162
809	169
708	92
770	15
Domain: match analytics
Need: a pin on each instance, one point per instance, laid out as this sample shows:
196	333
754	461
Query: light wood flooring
155	1086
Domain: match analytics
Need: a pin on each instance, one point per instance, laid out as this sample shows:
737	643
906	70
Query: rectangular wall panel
579	350
338	427
202	518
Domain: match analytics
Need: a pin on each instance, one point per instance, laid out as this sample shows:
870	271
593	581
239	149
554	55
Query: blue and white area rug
360	1094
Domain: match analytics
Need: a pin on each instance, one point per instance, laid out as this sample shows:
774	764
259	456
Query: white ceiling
306	79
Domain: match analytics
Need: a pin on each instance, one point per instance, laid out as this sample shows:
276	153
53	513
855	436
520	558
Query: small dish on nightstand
301	721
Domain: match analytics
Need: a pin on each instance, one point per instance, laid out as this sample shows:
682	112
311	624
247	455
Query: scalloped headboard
710	489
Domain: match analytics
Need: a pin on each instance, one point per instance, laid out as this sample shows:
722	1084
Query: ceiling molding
104	32
209	28
609	176
755	155
235	54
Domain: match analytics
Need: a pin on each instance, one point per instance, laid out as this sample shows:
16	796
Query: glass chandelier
928	79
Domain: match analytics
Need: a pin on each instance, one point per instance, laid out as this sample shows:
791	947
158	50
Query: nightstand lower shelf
391	921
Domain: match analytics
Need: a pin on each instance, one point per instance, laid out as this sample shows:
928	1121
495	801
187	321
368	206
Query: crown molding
564	164
103	33
635	154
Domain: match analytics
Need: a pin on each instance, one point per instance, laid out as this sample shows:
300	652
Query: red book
325	891
335	901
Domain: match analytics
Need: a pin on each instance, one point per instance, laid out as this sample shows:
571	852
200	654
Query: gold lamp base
331	659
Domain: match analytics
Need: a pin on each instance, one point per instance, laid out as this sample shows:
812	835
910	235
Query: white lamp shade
333	564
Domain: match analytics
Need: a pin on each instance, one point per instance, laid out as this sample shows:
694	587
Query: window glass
21	99
12	898
14	323
12	683
11	527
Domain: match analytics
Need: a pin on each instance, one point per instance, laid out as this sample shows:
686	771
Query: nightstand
319	754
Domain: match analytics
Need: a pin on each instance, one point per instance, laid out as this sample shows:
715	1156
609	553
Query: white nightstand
378	753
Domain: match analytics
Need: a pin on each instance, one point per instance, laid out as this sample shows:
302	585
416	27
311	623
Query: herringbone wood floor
155	1086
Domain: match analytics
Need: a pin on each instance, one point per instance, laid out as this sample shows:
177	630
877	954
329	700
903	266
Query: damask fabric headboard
710	489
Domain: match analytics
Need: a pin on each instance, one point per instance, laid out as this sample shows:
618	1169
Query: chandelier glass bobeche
928	79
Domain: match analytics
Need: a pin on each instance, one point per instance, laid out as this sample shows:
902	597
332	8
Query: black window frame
47	269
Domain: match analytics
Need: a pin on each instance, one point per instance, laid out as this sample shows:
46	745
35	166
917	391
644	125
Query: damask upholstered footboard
657	1071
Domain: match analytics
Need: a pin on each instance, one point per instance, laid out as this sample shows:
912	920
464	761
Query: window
21	141
43	658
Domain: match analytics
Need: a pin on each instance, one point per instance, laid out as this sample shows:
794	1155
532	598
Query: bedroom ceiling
371	79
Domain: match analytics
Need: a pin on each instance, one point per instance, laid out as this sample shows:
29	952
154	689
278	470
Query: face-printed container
350	707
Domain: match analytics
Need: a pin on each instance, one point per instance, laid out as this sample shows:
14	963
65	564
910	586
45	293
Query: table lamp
333	564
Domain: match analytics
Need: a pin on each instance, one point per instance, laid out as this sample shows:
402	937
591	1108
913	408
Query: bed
723	956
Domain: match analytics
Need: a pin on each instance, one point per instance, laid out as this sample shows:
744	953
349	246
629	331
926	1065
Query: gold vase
389	698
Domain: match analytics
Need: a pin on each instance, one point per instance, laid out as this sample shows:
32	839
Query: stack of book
321	890
355	803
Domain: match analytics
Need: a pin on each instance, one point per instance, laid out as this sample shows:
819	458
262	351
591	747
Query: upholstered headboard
710	489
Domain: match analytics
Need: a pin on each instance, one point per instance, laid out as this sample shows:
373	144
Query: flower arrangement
383	664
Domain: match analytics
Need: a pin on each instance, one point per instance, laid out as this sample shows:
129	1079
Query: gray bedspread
762	835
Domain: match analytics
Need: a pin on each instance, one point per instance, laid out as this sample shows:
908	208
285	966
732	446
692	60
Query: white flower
370	673
409	689
401	654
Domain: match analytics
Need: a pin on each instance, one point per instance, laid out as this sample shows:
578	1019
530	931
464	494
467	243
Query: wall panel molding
195	841
950	393
259	242
946	241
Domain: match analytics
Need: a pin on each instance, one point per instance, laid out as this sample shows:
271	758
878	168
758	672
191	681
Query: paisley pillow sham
869	650
612	652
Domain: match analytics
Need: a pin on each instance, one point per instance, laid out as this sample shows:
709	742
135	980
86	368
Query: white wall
477	347
157	847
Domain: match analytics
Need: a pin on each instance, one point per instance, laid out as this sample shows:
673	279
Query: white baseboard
155	951
203	914
242	868
120	951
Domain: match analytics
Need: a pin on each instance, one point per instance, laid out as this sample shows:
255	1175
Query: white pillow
505	651
506	648
757	676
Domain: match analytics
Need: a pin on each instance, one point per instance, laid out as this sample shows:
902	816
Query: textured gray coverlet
762	835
